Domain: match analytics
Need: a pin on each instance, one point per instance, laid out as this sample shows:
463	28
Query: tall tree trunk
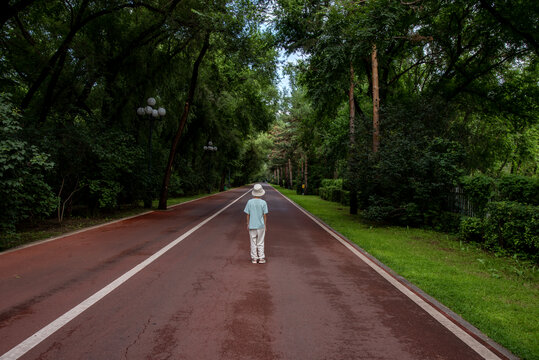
192	85
352	107
351	156
302	176
285	175
375	102
291	177
222	182
305	174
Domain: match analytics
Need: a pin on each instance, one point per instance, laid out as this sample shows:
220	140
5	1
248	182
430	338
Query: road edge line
427	303
25	346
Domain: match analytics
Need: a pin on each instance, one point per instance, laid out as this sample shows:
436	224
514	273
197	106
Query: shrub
447	222
378	212
322	192
523	189
409	179
479	189
332	190
345	197
471	229
106	192
335	193
512	226
331	182
175	185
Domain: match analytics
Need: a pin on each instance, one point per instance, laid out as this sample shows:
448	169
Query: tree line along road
179	284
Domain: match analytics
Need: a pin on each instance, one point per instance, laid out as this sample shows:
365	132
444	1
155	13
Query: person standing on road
256	210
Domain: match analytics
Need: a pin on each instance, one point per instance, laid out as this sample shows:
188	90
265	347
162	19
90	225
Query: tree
454	59
23	167
81	68
192	84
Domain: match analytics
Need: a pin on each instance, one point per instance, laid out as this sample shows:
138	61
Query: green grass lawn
51	228
498	295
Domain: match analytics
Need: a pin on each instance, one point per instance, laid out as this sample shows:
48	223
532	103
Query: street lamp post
211	149
152	114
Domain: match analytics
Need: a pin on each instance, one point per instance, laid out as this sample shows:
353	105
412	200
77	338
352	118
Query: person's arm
247	221
265	220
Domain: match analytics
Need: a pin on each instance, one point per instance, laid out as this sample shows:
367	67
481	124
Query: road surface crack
144	328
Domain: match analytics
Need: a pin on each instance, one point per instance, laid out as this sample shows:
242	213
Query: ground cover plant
499	295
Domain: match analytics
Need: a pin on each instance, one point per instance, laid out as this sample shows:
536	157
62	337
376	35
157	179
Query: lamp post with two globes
152	114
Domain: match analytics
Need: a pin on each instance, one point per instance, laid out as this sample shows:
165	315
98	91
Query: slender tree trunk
166	179
305	174
285	175
287	172
352	149
291	177
352	107
375	102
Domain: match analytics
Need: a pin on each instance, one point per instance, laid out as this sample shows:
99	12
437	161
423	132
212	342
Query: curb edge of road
43	241
447	312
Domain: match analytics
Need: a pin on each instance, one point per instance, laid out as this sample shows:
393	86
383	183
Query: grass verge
498	295
51	228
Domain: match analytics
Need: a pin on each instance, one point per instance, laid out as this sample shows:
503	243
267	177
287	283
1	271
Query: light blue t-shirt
256	208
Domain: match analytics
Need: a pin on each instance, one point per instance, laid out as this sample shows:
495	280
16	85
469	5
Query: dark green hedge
512	226
332	190
522	189
507	225
481	189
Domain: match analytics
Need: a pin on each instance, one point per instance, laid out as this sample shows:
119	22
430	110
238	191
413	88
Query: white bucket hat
258	191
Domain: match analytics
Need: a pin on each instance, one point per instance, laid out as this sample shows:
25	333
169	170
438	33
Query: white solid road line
432	311
54	326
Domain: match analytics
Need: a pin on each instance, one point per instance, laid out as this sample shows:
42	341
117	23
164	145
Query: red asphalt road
203	299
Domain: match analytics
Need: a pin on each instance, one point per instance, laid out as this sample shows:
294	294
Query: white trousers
257	243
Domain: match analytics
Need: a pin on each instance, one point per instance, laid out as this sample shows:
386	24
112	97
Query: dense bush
447	222
471	229
506	210
512	226
408	180
479	189
332	190
522	189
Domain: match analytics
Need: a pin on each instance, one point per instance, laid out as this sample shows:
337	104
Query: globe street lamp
211	149
152	114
